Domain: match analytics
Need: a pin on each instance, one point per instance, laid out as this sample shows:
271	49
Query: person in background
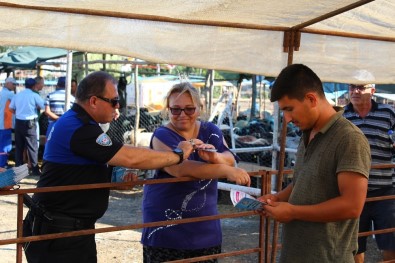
78	152
169	201
39	84
320	208
375	120
25	105
37	88
55	103
74	85
5	188
6	120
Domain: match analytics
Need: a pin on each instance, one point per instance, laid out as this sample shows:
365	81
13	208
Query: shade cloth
241	36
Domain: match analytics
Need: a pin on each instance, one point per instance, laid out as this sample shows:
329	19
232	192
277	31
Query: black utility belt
57	223
35	119
72	222
30	123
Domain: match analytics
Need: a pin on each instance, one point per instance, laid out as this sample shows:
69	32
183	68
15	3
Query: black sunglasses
177	111
113	102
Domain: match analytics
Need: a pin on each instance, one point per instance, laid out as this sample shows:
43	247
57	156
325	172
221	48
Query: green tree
7	48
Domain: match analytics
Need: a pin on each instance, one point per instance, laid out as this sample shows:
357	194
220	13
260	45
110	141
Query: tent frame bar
331	14
302	26
98	62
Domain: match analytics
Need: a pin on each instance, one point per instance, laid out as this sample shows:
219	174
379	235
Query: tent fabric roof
241	36
28	57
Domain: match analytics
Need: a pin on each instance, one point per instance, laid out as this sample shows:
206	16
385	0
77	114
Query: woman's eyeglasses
177	111
113	102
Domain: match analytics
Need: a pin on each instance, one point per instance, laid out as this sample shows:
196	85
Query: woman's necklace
187	134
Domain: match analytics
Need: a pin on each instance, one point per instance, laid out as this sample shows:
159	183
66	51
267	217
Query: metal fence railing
19	239
267	248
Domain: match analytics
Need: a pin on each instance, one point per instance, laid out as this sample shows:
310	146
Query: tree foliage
7	48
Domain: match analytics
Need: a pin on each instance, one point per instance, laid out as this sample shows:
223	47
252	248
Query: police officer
79	152
25	105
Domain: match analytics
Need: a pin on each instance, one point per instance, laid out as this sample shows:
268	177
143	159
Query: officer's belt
61	220
54	219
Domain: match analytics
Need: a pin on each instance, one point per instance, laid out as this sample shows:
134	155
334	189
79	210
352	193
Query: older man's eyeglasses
114	102
188	110
359	87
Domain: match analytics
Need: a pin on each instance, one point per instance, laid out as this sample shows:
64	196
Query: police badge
104	140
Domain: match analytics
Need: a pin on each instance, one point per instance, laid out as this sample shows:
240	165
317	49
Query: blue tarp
331	87
385	88
28	57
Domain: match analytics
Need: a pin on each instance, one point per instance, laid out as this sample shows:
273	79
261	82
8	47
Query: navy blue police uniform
76	152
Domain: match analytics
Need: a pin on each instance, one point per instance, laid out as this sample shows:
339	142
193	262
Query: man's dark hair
93	85
38	79
29	83
295	81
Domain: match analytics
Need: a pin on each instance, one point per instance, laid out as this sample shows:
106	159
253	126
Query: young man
321	207
375	120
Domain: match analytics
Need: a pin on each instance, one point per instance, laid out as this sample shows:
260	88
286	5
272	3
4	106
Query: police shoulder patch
104	140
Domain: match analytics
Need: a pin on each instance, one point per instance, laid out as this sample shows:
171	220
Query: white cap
362	76
12	80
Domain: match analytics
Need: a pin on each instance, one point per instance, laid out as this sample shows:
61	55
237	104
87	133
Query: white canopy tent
334	38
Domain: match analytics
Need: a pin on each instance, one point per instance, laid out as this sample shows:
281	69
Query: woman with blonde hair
169	201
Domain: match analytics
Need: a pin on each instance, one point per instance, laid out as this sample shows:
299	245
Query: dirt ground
124	246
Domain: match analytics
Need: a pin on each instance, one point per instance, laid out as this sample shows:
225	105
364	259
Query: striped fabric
375	126
56	101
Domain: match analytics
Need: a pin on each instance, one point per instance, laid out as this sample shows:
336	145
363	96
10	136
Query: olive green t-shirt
339	147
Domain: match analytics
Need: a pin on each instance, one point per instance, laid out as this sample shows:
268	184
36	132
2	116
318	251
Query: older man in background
375	120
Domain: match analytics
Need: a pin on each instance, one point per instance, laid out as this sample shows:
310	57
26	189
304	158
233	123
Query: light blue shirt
5	95
25	104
